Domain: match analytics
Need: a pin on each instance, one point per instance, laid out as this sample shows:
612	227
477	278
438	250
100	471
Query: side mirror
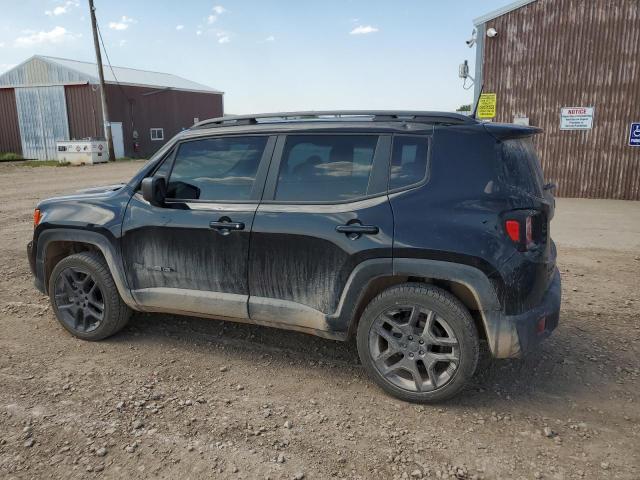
154	190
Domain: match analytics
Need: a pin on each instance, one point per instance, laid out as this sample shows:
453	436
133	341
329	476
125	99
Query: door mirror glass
154	190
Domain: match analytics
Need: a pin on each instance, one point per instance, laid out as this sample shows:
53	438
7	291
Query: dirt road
175	397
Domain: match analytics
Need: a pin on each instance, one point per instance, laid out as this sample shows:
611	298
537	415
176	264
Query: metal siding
84	110
9	130
143	108
42	115
41	70
36	71
573	53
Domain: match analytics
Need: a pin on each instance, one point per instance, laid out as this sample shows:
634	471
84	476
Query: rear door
191	254
324	214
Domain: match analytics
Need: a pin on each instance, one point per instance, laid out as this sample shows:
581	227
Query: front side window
157	134
408	161
325	167
216	169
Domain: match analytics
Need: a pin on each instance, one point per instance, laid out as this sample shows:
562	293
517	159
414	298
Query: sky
268	55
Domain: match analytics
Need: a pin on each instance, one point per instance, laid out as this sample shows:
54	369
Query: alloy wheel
79	300
414	348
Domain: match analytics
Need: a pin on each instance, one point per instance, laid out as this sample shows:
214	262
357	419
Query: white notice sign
576	118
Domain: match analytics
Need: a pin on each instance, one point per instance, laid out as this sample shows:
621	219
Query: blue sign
634	135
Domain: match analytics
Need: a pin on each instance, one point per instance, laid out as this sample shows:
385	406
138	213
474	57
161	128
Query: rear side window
216	169
325	167
521	167
408	161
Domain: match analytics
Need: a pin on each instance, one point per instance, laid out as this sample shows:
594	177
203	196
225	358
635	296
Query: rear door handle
226	225
358	229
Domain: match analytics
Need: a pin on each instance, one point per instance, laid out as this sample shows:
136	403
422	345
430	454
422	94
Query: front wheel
418	342
85	298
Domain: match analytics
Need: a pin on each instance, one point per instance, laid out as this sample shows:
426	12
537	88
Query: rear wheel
418	342
85	298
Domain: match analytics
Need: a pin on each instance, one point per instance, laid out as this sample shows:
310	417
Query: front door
118	139
325	213
190	255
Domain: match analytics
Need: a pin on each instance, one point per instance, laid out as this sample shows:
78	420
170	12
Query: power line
130	101
106	54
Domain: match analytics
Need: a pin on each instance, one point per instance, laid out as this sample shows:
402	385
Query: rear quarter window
520	166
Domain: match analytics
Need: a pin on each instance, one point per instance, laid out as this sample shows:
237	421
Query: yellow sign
487	105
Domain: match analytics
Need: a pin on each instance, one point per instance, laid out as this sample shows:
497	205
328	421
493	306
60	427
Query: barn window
157	134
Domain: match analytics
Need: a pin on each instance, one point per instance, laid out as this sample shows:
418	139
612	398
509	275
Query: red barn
45	99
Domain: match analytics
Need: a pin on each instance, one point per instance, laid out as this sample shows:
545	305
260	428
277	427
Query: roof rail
339	115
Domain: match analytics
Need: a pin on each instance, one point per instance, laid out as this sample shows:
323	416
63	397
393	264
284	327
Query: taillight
513	230
36	217
519	229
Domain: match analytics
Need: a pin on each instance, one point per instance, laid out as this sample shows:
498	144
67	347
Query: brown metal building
543	56
47	99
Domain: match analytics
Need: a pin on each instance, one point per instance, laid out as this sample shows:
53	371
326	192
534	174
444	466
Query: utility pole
103	94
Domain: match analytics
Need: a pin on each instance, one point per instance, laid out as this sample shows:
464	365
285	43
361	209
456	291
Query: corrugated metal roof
501	11
88	71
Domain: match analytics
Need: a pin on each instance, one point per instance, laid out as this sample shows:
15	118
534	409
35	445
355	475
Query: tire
410	361
85	299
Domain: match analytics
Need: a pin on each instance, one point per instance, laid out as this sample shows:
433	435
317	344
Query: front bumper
31	255
519	334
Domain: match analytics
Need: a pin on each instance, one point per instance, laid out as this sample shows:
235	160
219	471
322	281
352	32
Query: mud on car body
424	235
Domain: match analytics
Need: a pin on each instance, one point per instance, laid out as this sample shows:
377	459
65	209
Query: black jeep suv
424	235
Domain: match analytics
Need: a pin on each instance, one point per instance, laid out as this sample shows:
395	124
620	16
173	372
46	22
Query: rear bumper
519	334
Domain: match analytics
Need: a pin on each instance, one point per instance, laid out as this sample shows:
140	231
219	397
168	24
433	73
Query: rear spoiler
507	131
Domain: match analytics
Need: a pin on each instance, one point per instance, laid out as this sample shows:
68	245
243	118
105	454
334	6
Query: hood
102	189
91	194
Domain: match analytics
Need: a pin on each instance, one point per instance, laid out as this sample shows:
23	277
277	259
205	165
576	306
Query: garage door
42	116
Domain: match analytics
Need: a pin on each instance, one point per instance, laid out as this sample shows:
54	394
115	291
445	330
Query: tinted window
216	168
408	161
165	166
325	167
521	167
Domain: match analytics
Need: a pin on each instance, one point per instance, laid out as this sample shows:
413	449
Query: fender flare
100	241
499	332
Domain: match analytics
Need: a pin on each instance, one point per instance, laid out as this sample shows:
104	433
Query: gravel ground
180	397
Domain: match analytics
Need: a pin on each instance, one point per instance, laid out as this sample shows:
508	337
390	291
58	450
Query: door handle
228	226
357	229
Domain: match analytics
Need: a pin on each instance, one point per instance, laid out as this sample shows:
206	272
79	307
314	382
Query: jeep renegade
425	235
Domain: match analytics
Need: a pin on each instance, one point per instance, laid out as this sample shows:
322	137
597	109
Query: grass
13	157
43	163
55	163
129	159
10	157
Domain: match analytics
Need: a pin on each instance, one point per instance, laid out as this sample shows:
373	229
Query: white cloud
122	43
61	9
363	30
123	24
217	11
1	44
55	35
198	32
179	27
270	38
223	37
